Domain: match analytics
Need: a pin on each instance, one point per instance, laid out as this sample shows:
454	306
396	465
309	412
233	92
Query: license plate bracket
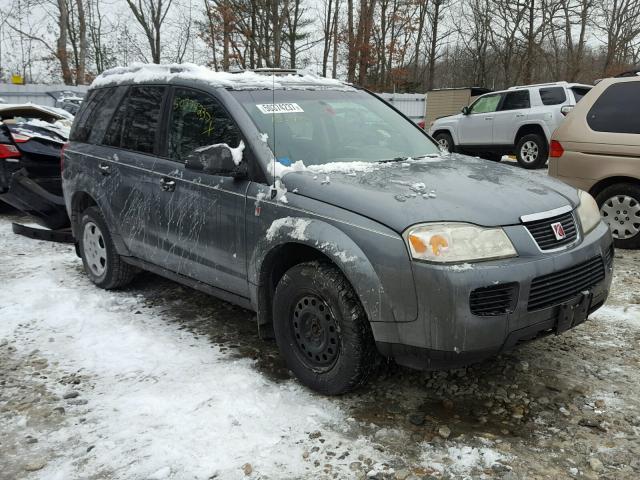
574	311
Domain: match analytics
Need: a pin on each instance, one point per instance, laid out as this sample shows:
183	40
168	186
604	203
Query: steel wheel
315	331
94	249
529	151
622	214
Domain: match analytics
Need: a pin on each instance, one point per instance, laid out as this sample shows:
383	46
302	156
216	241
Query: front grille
555	288
493	300
543	234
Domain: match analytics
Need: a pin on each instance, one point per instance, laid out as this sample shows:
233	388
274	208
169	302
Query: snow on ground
148	383
165	403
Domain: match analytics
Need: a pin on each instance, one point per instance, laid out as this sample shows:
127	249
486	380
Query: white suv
519	120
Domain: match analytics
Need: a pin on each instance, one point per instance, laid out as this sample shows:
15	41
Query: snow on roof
142	73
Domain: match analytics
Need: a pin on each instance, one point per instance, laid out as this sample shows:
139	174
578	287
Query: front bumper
447	333
33	196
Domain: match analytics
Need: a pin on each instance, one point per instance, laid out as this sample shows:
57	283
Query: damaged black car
31	141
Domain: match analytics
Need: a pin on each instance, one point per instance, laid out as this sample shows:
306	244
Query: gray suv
322	208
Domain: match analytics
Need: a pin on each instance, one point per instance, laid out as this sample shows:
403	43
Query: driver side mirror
466	110
217	160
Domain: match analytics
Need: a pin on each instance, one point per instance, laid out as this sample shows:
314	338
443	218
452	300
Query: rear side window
579	92
198	120
143	118
84	121
516	100
553	95
616	110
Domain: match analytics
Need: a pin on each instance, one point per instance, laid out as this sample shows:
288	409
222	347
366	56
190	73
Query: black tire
103	265
6	208
444	138
494	157
307	331
620	208
525	151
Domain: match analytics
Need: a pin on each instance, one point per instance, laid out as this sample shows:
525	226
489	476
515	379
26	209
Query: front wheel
102	263
532	151
620	209
322	330
445	141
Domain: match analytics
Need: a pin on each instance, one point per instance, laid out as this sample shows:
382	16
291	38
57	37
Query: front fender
380	305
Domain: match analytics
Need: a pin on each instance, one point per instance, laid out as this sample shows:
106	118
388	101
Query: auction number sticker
268	108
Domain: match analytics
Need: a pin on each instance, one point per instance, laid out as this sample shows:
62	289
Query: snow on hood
142	72
449	187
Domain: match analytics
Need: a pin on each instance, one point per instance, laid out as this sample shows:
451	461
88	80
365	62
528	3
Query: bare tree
151	14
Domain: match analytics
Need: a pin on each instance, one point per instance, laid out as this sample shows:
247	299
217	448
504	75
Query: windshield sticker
268	108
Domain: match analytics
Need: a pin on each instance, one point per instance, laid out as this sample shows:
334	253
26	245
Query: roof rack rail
629	73
277	71
537	85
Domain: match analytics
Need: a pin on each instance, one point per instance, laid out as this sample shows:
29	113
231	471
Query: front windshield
324	126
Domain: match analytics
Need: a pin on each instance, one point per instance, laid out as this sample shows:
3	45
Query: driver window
486	104
198	120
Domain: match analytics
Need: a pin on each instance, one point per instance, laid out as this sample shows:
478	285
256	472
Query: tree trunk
82	42
334	59
434	43
61	44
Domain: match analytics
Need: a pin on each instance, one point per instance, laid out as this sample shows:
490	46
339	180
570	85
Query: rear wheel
103	265
445	141
620	209
532	151
321	329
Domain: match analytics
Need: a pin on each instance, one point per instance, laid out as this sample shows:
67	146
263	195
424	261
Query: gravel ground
560	407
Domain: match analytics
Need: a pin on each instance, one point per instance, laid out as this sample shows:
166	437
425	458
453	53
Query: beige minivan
597	149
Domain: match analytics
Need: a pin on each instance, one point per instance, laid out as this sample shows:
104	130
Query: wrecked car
331	215
31	141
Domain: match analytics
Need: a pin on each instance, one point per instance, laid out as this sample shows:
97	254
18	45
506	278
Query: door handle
488	118
519	115
105	168
167	185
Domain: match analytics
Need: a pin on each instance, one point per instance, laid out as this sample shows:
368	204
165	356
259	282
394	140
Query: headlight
588	212
457	242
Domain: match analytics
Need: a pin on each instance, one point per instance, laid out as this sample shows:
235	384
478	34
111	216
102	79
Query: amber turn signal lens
417	244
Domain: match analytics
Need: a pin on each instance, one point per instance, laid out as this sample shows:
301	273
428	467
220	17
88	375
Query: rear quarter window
104	112
579	92
84	120
616	110
553	95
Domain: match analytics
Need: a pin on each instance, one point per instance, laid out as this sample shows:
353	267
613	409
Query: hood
450	187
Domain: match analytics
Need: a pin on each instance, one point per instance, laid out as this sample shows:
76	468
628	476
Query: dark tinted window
103	115
553	95
616	110
198	120
143	118
84	120
114	132
516	100
579	92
